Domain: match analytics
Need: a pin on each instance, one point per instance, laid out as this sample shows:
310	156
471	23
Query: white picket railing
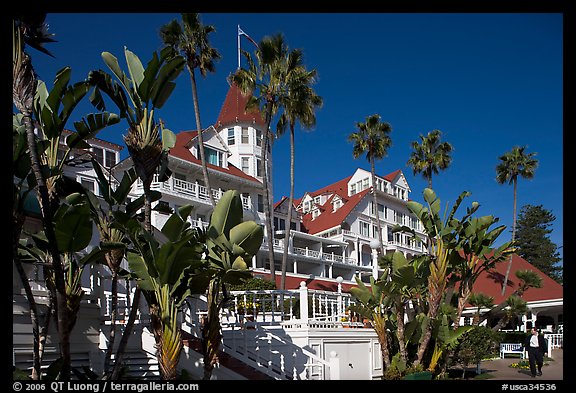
253	323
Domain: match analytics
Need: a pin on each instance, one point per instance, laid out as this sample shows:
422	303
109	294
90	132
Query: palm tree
191	40
430	156
480	301
528	279
513	164
299	106
267	80
515	306
372	138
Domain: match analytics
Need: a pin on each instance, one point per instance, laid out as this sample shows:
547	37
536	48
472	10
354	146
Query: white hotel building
332	229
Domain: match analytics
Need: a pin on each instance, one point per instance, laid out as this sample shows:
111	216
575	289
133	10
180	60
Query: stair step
226	360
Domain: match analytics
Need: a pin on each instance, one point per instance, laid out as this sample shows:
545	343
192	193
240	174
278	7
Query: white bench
511	348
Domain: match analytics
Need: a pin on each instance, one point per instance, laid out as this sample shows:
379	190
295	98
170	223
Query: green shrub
475	345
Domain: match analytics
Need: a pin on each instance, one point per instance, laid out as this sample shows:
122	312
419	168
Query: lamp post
375	245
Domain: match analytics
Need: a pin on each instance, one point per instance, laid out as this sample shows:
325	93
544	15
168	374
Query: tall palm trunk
376	213
267	210
505	283
289	221
200	137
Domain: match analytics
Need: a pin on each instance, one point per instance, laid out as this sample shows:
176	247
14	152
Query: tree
528	279
231	243
372	138
459	250
110	220
191	40
533	241
480	301
165	274
48	112
515	306
430	156
513	164
299	106
268	80
137	97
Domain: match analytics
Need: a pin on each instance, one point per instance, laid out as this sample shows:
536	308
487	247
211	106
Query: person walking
536	346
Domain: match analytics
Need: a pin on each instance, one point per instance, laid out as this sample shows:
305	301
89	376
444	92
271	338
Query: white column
374	245
303	303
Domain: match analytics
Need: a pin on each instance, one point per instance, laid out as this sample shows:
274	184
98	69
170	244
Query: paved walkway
500	369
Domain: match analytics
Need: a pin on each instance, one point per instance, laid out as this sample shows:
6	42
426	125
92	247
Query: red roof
233	110
181	151
490	282
391	176
330	219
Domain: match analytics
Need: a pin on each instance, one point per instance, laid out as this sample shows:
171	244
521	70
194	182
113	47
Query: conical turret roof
233	110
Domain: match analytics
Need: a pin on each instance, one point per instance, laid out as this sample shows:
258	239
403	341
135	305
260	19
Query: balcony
309	253
189	190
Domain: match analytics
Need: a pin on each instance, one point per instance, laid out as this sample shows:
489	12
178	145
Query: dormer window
106	158
214	157
352	189
337	204
315	213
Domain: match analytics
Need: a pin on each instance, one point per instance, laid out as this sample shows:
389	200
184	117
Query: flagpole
238	33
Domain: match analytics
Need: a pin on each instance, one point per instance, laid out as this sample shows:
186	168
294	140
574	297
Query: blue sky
488	81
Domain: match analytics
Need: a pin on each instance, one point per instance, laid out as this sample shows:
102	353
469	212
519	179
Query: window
258	138
381	211
98	155
293	225
364	229
231	136
365	184
260	203
337	204
245	136
110	158
88	184
258	168
317	200
352	189
214	157
246	165
375	231
279	224
315	213
390	237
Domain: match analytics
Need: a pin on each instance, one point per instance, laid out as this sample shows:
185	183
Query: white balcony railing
306	252
194	191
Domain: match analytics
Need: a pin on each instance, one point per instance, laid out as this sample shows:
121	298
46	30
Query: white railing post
334	366
303	303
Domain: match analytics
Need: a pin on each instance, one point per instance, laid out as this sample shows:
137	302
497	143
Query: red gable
180	150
